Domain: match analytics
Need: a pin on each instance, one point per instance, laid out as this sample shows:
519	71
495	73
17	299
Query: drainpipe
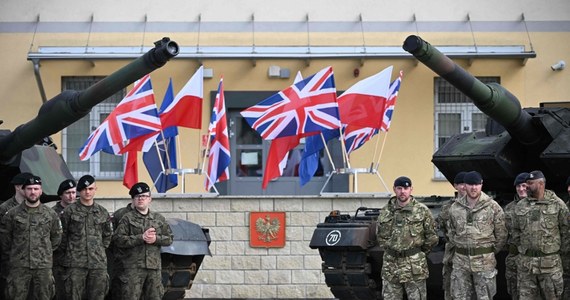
36	63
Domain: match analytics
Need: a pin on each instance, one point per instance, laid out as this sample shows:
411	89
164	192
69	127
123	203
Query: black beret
65	185
403	181
473	178
459	178
521	178
139	188
535	175
84	182
19	179
32	181
568	181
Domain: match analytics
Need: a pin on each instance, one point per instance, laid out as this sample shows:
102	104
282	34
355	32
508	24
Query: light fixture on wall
558	66
278	72
208	72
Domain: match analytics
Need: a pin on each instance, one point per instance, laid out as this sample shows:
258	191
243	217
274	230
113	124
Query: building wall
410	141
236	270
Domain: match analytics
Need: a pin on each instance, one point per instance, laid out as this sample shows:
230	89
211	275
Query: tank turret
528	139
19	151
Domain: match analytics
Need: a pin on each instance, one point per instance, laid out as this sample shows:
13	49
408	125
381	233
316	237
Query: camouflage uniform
5	257
540	231
406	234
141	261
442	220
30	235
114	256
566	270
87	232
511	260
58	256
477	234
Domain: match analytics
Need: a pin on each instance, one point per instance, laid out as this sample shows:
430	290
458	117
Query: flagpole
381	150
327	150
345	158
204	158
375	150
179	162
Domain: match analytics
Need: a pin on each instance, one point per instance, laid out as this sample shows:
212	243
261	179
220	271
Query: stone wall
236	270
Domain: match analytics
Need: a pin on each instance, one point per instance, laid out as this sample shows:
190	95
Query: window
101	165
455	113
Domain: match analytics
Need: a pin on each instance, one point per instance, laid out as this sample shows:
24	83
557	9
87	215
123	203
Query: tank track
352	275
178	273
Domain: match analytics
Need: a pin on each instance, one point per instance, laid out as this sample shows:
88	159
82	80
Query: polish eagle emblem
267	228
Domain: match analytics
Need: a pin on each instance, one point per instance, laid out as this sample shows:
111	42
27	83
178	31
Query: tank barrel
70	106
492	99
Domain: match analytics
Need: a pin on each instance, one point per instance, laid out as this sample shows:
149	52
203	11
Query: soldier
477	230
17	199
540	231
31	232
67	194
442	219
511	260
406	232
87	232
114	254
566	257
140	234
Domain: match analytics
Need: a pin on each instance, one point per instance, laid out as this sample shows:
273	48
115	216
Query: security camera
558	66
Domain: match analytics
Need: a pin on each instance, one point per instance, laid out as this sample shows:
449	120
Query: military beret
84	182
32	181
535	175
568	181
19	179
139	188
459	178
65	185
473	178
403	181
521	178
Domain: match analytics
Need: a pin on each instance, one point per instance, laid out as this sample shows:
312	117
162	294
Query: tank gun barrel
492	99
70	106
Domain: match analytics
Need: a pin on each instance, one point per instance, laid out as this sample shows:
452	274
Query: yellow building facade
243	40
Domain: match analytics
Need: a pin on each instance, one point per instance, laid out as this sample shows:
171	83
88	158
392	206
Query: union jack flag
355	137
391	102
134	116
219	157
305	107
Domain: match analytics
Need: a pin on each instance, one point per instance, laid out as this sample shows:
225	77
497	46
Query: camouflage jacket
87	231
7	205
30	235
509	210
401	229
541	225
118	215
482	226
58	255
129	237
443	217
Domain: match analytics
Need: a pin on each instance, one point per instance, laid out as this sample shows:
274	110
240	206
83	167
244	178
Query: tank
352	258
25	150
515	140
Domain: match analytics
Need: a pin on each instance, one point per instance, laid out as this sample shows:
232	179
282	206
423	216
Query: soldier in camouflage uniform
511	260
140	234
67	193
31	232
442	220
87	232
540	231
566	257
17	199
115	255
477	229
406	232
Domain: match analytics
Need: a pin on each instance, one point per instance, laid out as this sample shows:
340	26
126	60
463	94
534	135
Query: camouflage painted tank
21	151
516	140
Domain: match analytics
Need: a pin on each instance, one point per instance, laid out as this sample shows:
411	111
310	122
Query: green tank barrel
492	99
70	106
